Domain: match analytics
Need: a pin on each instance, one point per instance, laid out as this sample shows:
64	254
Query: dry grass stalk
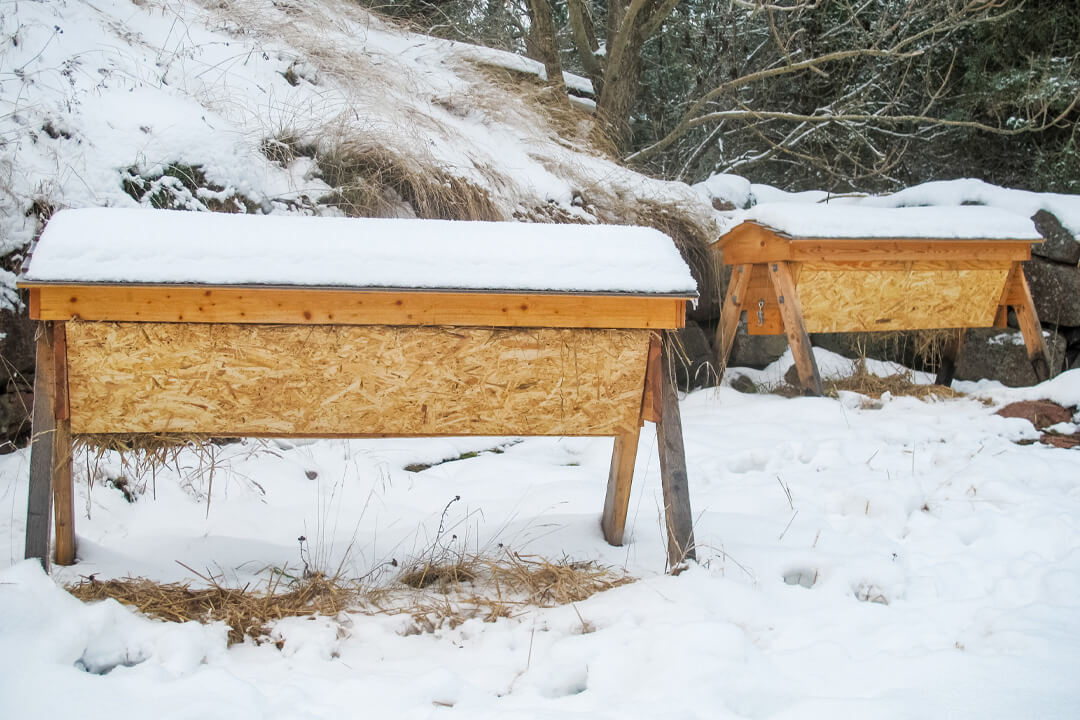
370	180
434	594
247	612
898	384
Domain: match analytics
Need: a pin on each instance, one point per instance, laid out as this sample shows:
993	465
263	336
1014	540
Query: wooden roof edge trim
747	226
501	292
973	240
753	225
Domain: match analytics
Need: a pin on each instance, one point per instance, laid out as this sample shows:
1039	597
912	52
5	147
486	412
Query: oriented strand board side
353	380
839	299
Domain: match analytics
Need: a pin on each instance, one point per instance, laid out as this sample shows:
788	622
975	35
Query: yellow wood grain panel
353	380
840	299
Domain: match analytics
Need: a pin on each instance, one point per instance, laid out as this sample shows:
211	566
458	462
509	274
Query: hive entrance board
796	285
135	340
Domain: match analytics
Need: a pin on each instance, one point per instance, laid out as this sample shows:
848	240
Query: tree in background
837	94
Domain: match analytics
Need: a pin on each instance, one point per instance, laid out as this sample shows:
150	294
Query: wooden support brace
678	520
624	453
729	315
620	480
950	355
1029	326
39	501
798	339
62	485
51	495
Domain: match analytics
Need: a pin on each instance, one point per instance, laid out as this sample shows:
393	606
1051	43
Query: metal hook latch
761	312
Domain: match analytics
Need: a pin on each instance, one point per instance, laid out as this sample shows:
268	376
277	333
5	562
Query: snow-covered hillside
287	107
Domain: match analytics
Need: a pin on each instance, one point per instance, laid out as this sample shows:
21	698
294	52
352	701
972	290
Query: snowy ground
909	561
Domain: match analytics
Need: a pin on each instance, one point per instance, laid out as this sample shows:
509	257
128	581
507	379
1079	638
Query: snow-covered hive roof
848	221
109	245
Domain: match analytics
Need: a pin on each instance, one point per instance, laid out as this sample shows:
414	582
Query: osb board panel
840	299
345	380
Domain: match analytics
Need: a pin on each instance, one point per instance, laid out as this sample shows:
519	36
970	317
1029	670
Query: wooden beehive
181	351
789	283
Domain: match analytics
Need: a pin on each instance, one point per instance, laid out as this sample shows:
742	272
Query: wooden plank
903	249
752	243
60	378
354	380
620	479
650	401
39	501
1030	328
678	519
950	356
729	314
795	328
35	303
63	494
301	306
762	308
837	299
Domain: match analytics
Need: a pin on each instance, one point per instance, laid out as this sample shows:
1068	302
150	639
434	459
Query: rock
1058	243
16	345
710	287
1065	442
1000	355
16	377
891	347
1040	413
14	418
1056	289
743	384
695	364
756	351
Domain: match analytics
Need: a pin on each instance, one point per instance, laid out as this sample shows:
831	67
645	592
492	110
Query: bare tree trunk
543	42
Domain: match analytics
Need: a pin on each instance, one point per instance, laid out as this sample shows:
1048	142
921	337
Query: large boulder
16	344
995	354
756	351
1056	289
694	361
1058	243
16	377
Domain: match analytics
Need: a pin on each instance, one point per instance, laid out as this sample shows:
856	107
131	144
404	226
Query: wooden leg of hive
1031	329
669	439
62	487
798	339
63	494
620	480
39	501
950	355
729	315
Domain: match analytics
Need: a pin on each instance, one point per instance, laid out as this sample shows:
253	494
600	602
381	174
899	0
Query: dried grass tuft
375	181
247	612
898	384
433	595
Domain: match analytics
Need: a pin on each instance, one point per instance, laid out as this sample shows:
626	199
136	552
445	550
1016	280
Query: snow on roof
847	221
111	245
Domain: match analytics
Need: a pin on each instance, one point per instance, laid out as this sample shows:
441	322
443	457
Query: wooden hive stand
260	360
793	285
